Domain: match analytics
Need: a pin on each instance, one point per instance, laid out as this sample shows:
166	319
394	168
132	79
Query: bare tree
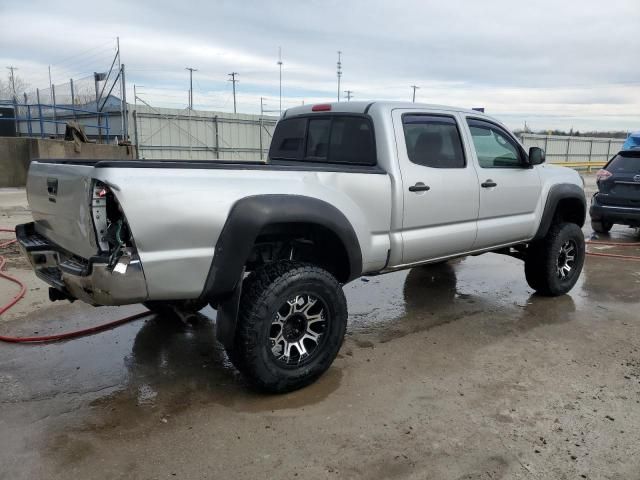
7	87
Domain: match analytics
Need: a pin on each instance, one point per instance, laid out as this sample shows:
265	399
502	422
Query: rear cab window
325	138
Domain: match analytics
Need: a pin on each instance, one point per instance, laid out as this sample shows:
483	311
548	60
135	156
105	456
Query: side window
433	141
288	139
494	148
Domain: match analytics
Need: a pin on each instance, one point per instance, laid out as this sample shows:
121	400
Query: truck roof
365	106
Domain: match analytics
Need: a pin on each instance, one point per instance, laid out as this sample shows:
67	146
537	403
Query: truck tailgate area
60	199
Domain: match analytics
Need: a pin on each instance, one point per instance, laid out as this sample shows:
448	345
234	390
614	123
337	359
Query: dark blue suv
618	198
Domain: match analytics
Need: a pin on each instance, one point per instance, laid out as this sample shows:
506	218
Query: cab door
439	183
509	186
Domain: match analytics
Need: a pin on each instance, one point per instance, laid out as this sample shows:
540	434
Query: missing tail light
112	231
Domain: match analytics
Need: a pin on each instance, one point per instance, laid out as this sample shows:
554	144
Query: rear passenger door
509	187
439	184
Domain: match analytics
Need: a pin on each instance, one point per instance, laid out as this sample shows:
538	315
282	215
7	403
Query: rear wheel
291	324
552	265
601	226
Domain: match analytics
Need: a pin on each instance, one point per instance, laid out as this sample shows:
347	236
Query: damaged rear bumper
92	281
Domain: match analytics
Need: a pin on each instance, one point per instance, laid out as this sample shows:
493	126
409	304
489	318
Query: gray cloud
556	62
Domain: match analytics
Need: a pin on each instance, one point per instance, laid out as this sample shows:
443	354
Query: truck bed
219	165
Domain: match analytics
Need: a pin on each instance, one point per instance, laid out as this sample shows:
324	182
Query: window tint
624	164
351	141
288	139
318	139
493	147
329	138
433	141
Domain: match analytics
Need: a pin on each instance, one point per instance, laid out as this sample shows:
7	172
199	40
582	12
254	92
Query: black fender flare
244	223
557	193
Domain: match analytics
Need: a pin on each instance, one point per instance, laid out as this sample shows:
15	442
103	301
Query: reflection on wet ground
158	367
162	359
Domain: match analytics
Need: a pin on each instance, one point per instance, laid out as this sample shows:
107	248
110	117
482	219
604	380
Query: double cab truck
348	190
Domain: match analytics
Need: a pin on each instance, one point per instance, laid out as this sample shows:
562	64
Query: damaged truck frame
349	189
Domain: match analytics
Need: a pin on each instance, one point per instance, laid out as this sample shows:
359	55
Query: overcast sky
554	64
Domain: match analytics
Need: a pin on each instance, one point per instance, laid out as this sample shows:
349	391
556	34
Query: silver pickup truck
349	189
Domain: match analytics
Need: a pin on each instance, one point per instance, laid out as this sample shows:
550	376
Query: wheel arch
252	216
565	202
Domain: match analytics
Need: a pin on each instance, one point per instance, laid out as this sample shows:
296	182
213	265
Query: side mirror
536	156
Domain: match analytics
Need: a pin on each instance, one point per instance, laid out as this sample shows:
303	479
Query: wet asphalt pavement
449	371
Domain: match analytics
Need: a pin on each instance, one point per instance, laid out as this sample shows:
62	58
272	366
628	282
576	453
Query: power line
233	81
415	87
191	70
349	94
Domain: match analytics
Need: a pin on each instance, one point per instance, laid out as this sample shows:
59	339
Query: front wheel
552	265
291	324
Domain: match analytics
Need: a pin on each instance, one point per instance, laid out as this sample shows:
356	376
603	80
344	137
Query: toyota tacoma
348	190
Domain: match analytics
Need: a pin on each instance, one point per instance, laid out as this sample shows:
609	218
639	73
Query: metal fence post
73	100
261	150
40	113
608	151
28	115
55	114
135	133
124	109
566	156
590	155
215	119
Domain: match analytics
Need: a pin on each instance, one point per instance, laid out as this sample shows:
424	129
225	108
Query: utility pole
415	87
280	67
339	71
12	76
349	94
233	81
191	70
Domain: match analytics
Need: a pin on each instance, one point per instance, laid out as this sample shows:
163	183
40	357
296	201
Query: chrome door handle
419	187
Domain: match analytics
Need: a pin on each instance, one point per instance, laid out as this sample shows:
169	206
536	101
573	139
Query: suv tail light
602	174
322	107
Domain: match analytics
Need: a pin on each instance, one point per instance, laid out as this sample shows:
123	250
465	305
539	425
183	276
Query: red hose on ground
60	336
3	260
613	255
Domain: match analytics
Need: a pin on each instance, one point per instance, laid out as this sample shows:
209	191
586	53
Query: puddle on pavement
157	368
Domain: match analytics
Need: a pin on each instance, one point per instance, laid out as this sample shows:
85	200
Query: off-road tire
167	308
543	256
602	226
264	292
